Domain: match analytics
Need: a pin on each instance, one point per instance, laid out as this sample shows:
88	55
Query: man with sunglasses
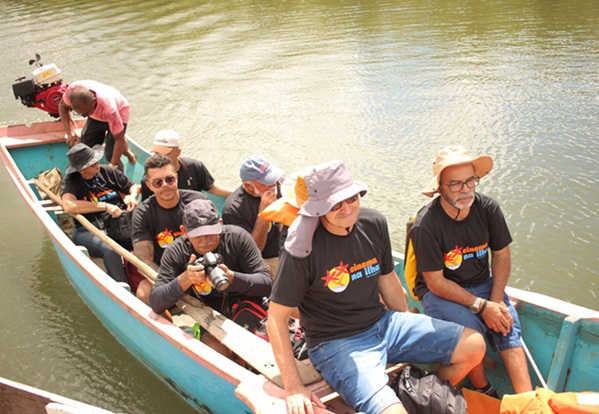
336	267
107	112
453	238
157	220
191	174
259	189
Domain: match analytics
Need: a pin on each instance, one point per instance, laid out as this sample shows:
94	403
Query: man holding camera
225	251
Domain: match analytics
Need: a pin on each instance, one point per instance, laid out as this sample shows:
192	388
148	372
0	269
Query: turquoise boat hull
563	338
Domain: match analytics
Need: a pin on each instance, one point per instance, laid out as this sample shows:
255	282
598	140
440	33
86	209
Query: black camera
217	276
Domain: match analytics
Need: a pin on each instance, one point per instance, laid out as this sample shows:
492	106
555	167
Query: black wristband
482	308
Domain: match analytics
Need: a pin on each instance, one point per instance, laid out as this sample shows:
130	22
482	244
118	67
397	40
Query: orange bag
568	403
479	403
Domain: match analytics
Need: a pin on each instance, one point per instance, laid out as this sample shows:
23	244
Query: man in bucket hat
260	180
336	266
95	190
452	238
203	233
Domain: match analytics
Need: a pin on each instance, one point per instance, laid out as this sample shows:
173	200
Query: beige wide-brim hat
452	156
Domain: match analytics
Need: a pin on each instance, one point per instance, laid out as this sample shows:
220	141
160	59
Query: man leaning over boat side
95	190
107	112
157	220
259	188
336	265
240	275
191	174
453	237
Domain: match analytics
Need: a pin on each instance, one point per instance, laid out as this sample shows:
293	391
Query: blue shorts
355	366
440	308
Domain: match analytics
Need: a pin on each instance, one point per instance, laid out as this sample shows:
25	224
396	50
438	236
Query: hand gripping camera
217	276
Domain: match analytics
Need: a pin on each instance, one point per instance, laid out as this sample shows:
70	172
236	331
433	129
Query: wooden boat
563	339
17	398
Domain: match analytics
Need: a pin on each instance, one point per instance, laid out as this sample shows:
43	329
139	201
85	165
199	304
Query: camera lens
219	279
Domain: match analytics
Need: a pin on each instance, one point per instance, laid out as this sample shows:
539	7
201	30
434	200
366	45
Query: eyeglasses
457	186
350	200
169	180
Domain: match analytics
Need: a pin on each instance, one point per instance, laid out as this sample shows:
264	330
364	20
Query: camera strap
225	309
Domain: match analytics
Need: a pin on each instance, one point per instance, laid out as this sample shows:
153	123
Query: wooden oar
253	350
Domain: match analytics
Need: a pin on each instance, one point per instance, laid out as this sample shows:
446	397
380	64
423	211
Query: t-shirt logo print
164	238
337	278
203	288
453	259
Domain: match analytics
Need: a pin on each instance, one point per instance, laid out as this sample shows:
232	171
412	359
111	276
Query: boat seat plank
183	320
254	349
562	357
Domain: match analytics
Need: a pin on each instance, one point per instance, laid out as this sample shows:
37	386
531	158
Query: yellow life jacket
409	268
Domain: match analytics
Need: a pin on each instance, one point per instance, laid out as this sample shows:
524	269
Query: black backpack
424	392
253	317
249	314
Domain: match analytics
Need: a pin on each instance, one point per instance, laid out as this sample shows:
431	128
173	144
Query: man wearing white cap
260	180
336	265
192	174
453	237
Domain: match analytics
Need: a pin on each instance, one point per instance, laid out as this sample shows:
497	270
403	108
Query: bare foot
130	156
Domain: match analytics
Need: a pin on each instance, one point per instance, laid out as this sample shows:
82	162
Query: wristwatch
474	308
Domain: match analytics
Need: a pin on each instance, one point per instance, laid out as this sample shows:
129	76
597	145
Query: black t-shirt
336	286
459	248
160	225
106	186
241	209
239	253
193	175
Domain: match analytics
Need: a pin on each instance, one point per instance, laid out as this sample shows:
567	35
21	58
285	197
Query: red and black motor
44	91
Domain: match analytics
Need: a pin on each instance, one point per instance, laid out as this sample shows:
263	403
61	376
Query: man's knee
471	347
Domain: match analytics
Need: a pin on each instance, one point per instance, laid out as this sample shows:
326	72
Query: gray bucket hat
81	156
327	184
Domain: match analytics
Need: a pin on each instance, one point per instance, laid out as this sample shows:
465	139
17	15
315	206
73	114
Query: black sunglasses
349	200
169	180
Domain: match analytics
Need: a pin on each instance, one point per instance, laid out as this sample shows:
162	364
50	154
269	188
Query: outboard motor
44	91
